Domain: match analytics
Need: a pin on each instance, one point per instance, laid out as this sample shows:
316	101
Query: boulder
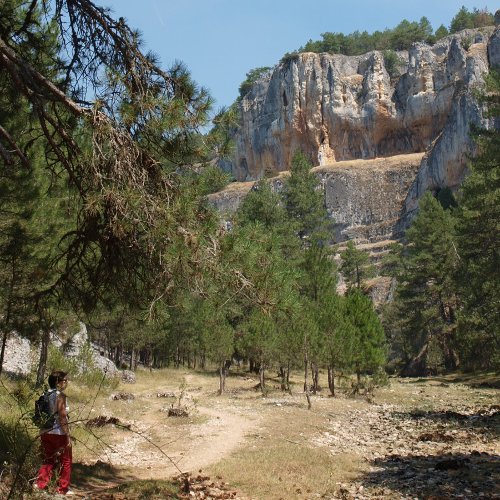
128	376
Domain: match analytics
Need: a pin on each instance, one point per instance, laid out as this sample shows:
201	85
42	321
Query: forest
104	219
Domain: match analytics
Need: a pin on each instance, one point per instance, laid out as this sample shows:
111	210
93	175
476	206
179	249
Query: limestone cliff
336	107
365	198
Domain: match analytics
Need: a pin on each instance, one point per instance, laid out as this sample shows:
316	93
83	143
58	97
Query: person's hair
55	377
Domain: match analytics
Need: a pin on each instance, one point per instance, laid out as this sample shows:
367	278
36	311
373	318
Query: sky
221	40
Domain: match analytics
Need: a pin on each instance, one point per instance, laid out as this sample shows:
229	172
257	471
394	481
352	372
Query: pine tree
478	231
425	296
35	209
120	154
355	266
368	338
338	335
304	200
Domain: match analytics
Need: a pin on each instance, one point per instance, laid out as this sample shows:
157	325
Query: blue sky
221	40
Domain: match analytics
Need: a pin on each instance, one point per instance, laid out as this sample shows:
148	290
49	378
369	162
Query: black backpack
43	417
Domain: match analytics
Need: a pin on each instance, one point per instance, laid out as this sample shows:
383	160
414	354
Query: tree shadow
482	380
439	476
482	420
98	475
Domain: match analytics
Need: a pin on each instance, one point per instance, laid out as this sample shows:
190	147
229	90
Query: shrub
392	63
251	77
19	458
380	378
80	368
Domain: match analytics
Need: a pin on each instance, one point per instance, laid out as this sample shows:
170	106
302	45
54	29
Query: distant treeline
399	38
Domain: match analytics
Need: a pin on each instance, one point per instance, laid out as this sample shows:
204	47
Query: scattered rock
203	487
177	412
124	396
128	376
437	437
165	395
102	420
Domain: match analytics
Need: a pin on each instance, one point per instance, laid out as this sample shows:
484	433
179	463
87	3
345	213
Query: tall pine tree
478	232
425	298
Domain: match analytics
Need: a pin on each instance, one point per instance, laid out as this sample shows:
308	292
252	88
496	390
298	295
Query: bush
392	63
213	179
80	368
251	77
289	57
380	378
19	458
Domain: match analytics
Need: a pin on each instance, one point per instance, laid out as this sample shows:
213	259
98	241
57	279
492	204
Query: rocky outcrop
365	198
21	356
228	200
337	108
78	344
18	355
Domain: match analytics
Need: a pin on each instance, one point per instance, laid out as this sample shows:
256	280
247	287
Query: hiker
56	440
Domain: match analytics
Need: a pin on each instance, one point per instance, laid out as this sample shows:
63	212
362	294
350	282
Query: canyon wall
365	198
338	108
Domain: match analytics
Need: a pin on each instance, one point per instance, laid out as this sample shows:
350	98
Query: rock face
21	357
337	108
365	198
18	356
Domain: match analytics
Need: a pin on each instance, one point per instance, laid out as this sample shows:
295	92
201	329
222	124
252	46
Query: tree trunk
450	356
282	375
306	382
417	367
261	377
315	378
222	377
5	336
44	353
331	380
288	378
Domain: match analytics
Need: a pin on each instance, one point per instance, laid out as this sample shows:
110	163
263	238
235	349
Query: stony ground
437	447
417	439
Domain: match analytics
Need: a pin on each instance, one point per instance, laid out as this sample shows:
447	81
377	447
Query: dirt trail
223	433
421	438
160	447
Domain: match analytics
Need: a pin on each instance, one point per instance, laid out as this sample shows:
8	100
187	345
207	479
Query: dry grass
280	462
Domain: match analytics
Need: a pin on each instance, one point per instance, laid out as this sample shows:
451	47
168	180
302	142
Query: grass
274	469
280	460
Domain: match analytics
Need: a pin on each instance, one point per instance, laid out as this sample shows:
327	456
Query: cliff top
395	161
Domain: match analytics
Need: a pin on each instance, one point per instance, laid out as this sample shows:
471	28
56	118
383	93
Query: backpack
43	416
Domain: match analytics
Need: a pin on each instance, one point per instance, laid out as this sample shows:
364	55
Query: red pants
55	450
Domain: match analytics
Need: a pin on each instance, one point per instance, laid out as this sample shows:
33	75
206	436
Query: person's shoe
70	493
